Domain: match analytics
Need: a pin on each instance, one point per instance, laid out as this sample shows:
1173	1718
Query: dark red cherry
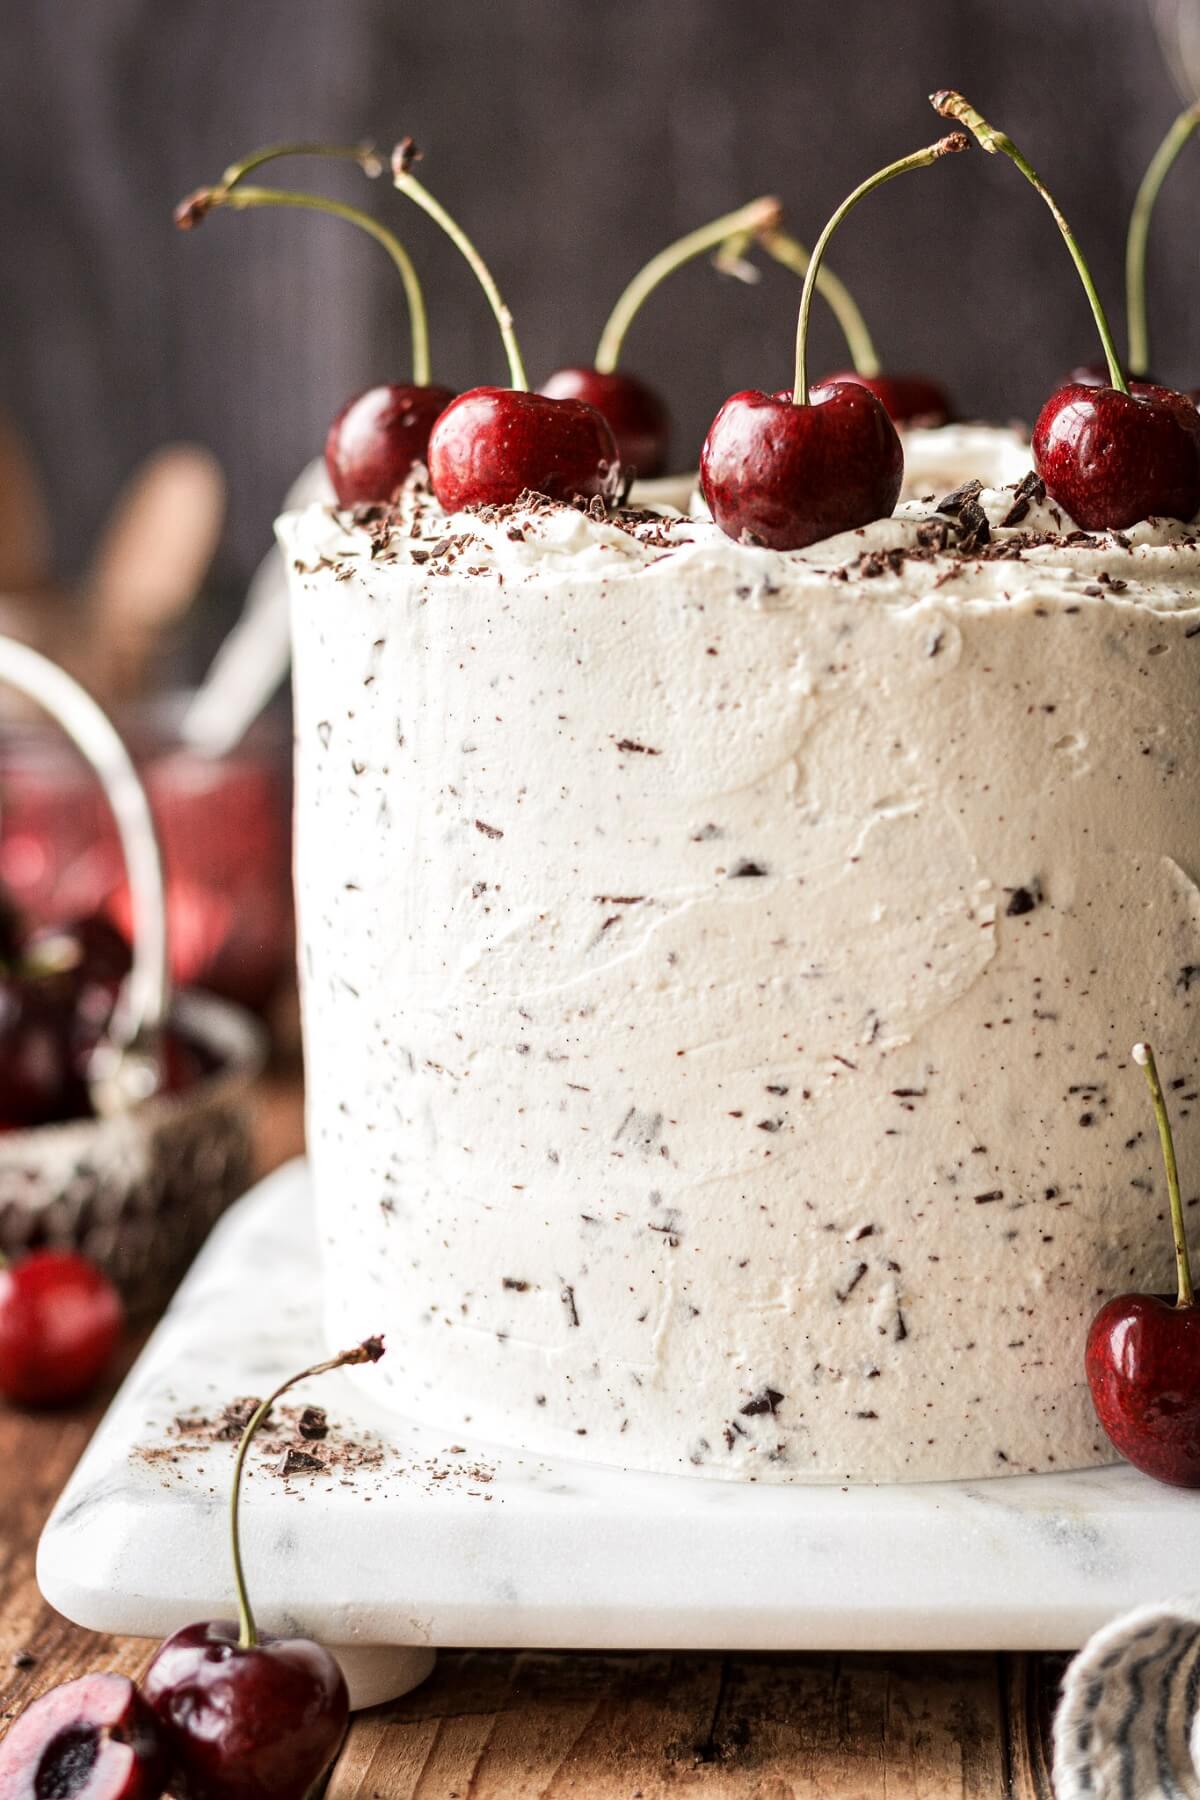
85	953
91	1739
1143	1353
10	931
637	418
262	1723
1111	459
491	444
910	399
1143	1367
60	1322
785	476
377	437
41	1082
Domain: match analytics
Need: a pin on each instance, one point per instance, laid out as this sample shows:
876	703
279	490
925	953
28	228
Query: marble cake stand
410	1539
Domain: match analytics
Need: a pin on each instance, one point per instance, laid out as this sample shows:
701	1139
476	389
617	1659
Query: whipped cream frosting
719	968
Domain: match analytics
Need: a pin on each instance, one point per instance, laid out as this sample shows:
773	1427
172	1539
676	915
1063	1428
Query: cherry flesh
91	1739
1143	1367
262	1723
785	476
60	1322
637	417
491	444
1111	459
377	437
909	399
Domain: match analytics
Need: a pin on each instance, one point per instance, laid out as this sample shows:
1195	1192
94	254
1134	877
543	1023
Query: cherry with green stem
909	399
378	436
247	1716
638	417
1143	1350
493	444
1112	455
787	469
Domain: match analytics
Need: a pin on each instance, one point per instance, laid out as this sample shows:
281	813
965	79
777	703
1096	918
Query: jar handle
125	1066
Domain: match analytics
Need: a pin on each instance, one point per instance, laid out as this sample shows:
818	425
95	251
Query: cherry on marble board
1143	1350
246	1715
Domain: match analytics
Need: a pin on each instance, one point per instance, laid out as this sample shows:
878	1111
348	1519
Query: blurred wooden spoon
150	562
24	517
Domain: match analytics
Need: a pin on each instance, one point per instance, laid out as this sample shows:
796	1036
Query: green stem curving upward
1139	232
241	198
403	157
920	159
1143	1055
750	220
952	106
369	1351
788	251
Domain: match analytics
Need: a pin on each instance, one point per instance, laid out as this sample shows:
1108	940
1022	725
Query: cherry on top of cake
783	470
381	434
786	470
1115	454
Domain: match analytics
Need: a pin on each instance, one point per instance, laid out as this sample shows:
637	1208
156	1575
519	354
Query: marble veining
444	1540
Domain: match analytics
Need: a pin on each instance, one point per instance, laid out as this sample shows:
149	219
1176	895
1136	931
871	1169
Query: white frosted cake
719	968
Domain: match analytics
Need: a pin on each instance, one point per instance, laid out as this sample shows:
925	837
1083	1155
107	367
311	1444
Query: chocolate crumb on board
298	1462
192	1445
236	1417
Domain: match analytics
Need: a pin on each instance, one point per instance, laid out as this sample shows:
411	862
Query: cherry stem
1139	232
365	155
405	154
757	216
920	159
791	254
369	1351
952	106
1143	1055
242	199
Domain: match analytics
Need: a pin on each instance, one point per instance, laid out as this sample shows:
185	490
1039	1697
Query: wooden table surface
493	1725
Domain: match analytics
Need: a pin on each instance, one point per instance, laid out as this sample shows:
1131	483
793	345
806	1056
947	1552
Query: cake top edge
980	540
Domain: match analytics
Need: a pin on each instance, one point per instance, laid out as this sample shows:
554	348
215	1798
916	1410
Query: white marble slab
453	1543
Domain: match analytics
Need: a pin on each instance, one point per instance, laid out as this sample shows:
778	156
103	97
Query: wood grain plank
511	1727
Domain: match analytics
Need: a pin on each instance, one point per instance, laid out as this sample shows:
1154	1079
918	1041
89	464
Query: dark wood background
574	137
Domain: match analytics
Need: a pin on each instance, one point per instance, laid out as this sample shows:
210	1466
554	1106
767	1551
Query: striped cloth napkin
1127	1726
